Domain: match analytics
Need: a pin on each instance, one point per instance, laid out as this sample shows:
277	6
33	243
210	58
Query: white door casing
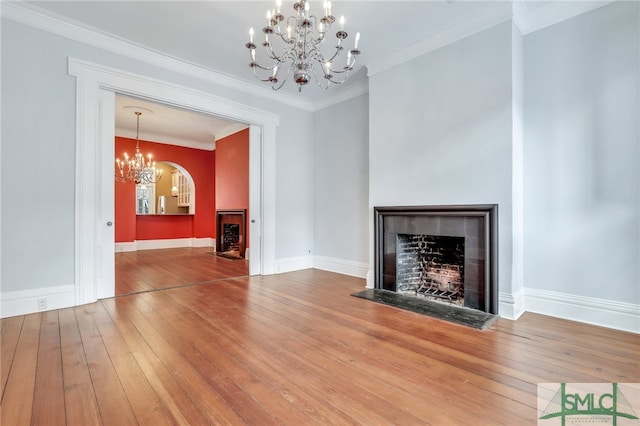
255	239
105	210
96	86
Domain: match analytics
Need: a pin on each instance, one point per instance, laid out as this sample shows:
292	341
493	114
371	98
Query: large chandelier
137	169
297	48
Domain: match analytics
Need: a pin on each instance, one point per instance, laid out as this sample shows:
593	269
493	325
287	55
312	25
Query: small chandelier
299	48
137	169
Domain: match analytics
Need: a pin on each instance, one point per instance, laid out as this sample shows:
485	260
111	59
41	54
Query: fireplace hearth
442	254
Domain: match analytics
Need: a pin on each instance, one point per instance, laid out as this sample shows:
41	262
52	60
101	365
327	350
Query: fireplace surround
446	254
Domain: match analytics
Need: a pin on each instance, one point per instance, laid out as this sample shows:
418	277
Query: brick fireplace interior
230	233
446	254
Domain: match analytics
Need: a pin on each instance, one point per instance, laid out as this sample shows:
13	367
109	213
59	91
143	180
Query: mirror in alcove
172	194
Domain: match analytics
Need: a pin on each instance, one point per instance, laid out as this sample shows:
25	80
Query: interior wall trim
511	306
164	244
590	310
341	266
297	263
438	40
44	20
553	12
22	302
525	19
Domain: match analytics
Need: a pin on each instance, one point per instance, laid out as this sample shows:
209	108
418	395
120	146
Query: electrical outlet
42	303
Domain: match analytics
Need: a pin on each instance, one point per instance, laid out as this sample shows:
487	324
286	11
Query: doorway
174	244
96	89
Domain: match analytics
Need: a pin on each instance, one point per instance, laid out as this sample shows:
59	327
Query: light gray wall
582	155
341	176
295	200
38	161
440	131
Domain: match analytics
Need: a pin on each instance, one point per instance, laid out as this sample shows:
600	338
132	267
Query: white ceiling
212	35
164	124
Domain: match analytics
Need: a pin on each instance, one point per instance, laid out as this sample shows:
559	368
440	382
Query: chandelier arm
255	65
322	33
335	54
268	79
345	69
327	78
273	86
272	55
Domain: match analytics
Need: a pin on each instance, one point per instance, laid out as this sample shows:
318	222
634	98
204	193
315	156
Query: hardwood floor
147	270
293	349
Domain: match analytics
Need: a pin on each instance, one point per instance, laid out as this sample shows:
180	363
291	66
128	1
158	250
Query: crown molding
151	136
438	40
527	20
350	92
531	19
38	18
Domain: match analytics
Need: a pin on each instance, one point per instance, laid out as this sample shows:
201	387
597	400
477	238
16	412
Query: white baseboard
163	244
371	279
204	242
590	310
341	266
290	264
511	306
24	302
128	246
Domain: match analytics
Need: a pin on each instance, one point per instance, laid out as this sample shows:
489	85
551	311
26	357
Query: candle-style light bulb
278	4
288	31
355	46
275	70
306	6
329	7
342	22
268	18
251	35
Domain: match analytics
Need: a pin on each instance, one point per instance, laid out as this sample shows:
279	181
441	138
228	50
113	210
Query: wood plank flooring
147	270
289	349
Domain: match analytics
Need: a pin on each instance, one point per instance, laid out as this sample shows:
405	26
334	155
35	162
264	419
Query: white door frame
95	86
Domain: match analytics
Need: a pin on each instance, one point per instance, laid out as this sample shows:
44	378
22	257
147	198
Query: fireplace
446	254
230	234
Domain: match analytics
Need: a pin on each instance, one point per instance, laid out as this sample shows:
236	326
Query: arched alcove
176	185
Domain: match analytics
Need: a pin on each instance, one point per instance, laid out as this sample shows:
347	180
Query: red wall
232	174
201	166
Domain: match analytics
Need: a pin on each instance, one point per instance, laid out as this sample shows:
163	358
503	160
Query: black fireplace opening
231	238
430	266
445	254
231	233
